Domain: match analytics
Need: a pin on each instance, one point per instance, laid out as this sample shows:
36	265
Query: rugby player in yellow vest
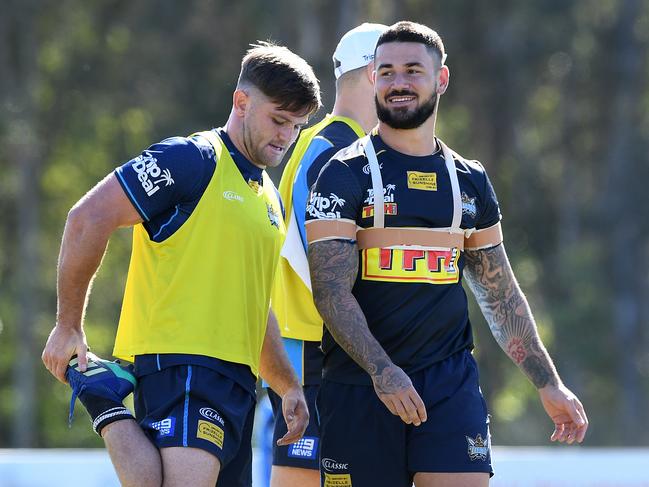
196	322
353	114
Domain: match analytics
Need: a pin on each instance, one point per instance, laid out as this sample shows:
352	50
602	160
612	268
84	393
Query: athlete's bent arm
492	281
276	369
88	227
334	265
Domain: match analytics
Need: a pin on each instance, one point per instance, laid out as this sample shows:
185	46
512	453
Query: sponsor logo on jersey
468	205
211	414
332	465
388	194
424	181
337	480
149	173
210	432
433	266
324	206
273	215
478	448
232	196
307	447
388	209
165	427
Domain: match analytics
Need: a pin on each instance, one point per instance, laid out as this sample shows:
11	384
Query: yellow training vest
206	289
292	300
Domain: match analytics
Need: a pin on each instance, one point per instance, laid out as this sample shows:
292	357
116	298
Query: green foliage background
552	96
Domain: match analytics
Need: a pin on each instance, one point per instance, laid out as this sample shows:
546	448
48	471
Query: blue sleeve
490	214
315	154
335	195
166	174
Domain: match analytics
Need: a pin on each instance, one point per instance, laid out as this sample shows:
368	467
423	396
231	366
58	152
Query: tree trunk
22	148
622	216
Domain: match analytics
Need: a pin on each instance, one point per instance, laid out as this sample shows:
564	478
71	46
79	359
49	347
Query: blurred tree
551	96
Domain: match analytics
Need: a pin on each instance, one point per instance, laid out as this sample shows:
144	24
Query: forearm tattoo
508	314
334	265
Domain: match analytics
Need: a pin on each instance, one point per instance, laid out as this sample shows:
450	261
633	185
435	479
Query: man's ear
443	76
369	71
240	102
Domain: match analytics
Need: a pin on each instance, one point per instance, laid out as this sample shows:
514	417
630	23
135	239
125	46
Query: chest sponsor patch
307	447
410	265
210	432
388	209
424	181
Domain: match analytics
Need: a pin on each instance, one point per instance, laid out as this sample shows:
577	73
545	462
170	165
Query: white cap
356	48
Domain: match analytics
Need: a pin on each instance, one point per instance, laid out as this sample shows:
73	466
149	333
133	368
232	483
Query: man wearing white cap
352	116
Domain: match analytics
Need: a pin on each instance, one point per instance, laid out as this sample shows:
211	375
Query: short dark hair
282	76
406	31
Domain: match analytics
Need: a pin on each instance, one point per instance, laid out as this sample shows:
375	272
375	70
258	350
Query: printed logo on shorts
337	480
332	465
307	447
149	173
210	432
210	413
165	427
478	448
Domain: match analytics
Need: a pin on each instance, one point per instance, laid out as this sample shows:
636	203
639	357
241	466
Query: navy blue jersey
413	299
166	181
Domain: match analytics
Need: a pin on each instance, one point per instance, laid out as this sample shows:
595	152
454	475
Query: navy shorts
303	453
363	444
198	407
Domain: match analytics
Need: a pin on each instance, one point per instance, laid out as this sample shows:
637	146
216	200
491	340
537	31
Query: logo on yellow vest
210	432
425	181
273	215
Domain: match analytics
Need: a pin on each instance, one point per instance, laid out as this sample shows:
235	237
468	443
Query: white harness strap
377	185
377	181
455	187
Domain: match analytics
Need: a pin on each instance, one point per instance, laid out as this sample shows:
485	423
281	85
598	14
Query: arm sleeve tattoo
334	265
491	279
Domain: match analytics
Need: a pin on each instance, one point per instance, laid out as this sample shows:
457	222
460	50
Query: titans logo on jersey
423	315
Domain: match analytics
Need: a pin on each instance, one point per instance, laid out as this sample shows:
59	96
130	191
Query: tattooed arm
491	279
333	265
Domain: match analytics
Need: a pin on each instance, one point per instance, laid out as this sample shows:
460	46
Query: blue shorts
198	407
363	444
303	453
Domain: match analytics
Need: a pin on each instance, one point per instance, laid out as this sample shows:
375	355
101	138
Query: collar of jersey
248	170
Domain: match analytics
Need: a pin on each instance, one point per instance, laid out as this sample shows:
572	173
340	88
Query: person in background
352	116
